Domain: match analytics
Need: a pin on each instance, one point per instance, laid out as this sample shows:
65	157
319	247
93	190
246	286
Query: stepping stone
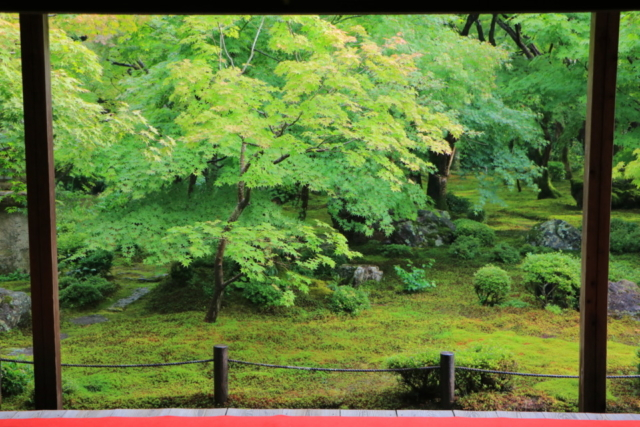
124	302
29	350
89	320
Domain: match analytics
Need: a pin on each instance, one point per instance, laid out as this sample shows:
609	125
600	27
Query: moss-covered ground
447	318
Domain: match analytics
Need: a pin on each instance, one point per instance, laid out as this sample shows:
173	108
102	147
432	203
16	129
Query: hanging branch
253	47
223	45
492	30
467	26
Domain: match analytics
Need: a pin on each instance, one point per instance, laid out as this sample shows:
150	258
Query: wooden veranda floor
309	412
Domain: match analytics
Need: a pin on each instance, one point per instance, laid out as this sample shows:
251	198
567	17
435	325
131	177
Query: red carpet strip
289	421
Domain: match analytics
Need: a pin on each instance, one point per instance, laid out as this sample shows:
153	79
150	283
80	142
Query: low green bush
556	171
16	377
553	278
426	383
415	279
624	237
397	251
530	249
14	277
492	285
84	292
346	299
465	247
482	232
458	205
268	295
478	215
96	263
505	253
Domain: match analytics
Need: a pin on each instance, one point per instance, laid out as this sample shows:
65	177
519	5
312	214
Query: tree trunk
547	190
437	182
304	205
568	175
219	285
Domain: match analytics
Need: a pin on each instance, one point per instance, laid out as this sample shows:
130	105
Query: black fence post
220	374
447	378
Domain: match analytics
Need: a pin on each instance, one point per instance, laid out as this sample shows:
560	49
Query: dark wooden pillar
36	80
603	58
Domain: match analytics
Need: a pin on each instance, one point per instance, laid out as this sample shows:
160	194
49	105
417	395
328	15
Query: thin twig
253	47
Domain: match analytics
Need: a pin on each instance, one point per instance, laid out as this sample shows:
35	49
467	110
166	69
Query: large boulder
431	228
556	234
624	299
357	274
15	308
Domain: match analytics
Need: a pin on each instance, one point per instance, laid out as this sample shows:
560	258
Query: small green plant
346	299
465	247
16	377
397	251
415	279
492	285
265	295
552	308
426	383
477	214
96	263
556	171
482	232
553	278
84	292
530	249
625	237
14	277
458	205
505	253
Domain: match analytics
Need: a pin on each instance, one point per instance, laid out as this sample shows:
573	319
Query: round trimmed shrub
492	285
482	232
349	300
15	378
458	205
478	215
84	292
465	247
625	236
505	254
554	278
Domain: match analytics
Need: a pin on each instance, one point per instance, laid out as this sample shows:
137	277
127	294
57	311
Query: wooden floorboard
412	413
216	412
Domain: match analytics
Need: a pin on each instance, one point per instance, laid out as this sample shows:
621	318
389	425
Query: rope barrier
305	368
138	365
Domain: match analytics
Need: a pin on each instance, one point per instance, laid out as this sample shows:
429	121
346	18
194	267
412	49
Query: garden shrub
415	279
15	378
84	292
482	232
267	295
530	249
505	253
553	278
465	247
346	299
426	383
492	285
478	215
15	277
624	237
398	251
96	263
556	171
458	205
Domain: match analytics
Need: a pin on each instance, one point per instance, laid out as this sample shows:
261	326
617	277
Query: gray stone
556	234
89	320
431	228
15	309
14	242
357	274
624	299
124	302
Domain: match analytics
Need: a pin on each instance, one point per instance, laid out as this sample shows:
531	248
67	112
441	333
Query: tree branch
223	45
515	36
492	30
253	47
233	279
467	26
480	32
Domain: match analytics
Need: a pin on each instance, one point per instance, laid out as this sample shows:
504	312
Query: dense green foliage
624	237
414	279
426	383
482	232
553	278
16	377
492	285
465	247
84	292
346	299
505	253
